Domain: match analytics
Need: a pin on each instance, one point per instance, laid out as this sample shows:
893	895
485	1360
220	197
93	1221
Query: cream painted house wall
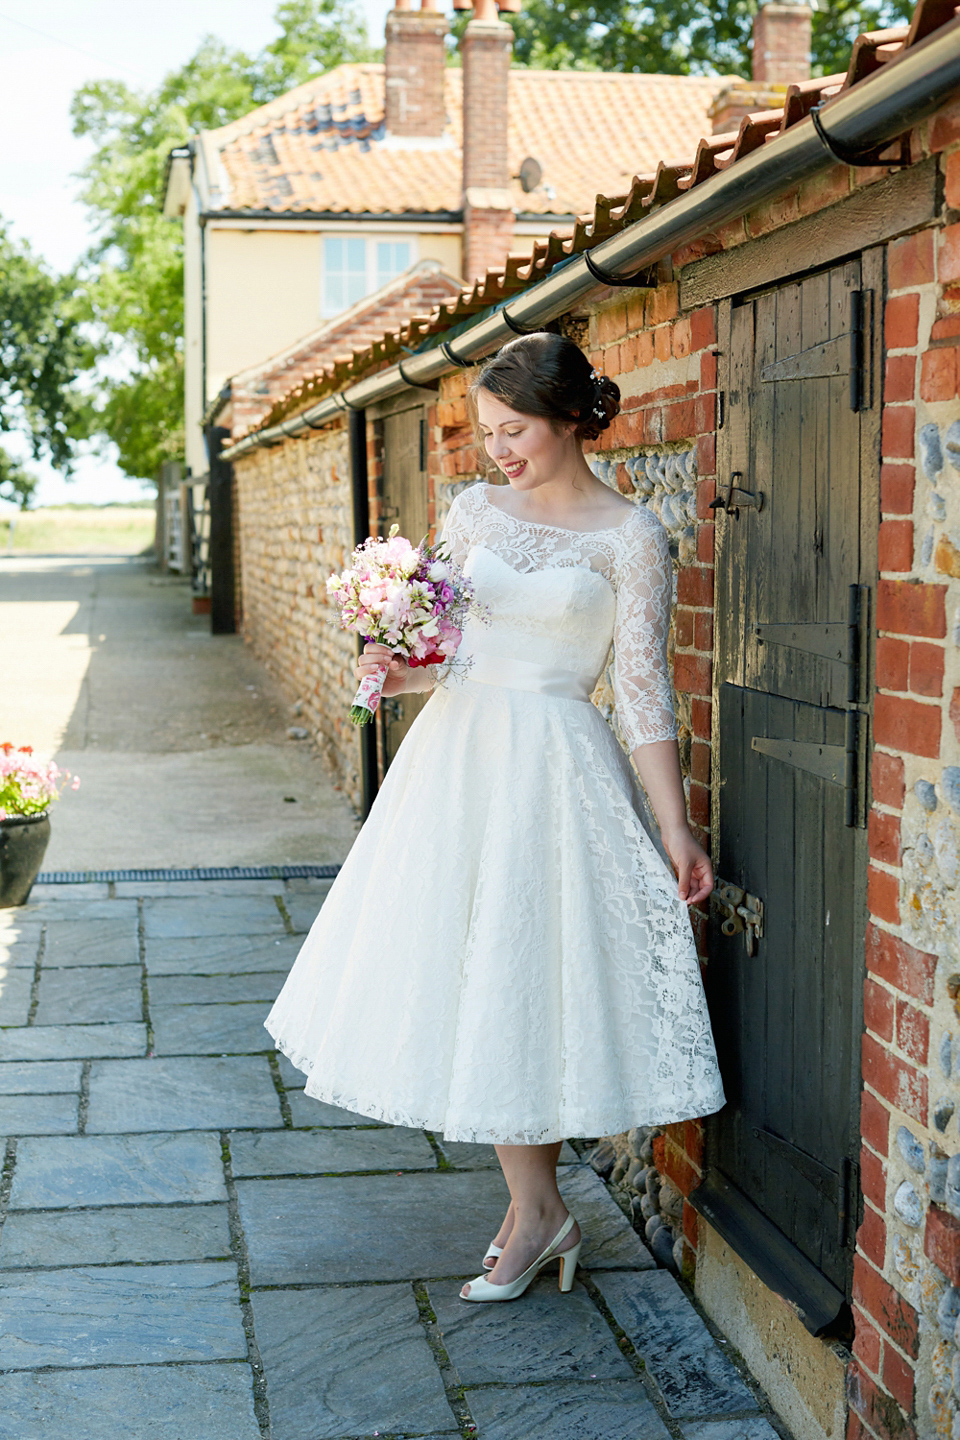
264	287
262	290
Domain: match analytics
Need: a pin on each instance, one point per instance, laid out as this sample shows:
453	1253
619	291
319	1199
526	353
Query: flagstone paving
194	1249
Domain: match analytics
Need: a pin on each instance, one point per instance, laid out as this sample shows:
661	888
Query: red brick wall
487	228
781	44
294	528
892	1383
415	60
487	239
895	1383
453	456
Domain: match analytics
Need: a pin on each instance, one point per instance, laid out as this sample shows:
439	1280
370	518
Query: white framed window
393	257
344	272
355	265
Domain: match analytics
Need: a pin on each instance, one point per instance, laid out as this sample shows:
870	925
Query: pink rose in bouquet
410	597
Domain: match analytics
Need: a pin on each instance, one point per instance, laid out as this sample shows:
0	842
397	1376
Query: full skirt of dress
503	956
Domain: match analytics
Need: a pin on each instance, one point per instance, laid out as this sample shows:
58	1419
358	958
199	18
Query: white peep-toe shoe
493	1255
482	1289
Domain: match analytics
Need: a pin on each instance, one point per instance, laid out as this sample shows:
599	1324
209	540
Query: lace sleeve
456	529
642	688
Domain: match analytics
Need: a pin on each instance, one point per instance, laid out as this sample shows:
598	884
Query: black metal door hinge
841	355
844	764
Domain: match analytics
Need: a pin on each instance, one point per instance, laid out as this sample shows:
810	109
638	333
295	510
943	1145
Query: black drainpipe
223	620
357	430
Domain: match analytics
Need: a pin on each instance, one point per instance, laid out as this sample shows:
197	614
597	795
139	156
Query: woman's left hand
692	864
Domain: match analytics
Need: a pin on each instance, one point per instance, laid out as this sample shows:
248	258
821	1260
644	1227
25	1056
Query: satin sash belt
528	675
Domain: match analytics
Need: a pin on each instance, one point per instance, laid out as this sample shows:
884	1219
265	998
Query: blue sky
47	50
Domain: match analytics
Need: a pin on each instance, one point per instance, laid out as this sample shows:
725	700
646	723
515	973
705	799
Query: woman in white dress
506	954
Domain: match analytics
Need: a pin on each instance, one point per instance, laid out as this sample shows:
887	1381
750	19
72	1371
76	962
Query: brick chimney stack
487	200
414	65
781	42
781	56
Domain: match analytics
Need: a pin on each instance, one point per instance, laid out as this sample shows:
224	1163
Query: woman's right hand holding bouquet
374	658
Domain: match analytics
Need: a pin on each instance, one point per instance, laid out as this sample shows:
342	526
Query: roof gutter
854	123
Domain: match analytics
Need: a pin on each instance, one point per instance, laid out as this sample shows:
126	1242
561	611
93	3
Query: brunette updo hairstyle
548	376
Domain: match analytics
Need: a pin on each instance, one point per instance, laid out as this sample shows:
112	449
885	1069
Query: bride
506	954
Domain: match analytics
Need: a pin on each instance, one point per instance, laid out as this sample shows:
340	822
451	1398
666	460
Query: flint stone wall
296	528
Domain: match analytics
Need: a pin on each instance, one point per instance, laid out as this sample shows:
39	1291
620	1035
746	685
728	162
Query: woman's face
527	449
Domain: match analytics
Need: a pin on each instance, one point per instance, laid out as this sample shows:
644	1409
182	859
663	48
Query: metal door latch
741	912
392	708
734	499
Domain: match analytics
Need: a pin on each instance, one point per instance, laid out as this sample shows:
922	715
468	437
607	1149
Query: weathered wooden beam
892	206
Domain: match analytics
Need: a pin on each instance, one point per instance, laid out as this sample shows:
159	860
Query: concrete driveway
179	737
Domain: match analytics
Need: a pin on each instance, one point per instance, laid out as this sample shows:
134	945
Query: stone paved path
193	1250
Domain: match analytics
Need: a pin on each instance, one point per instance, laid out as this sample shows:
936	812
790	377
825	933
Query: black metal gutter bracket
847	155
643	279
508	319
453	358
416	384
403	376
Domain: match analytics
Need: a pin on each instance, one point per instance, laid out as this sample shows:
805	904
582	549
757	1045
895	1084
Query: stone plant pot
23	843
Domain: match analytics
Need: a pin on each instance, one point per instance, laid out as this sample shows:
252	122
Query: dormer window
353	266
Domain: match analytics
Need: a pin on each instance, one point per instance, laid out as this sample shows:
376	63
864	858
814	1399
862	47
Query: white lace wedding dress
503	956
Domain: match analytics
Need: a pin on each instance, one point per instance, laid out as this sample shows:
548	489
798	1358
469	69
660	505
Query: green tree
315	35
678	37
16	483
43	354
131	280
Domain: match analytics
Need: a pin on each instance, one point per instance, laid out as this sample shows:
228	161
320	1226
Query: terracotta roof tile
326	150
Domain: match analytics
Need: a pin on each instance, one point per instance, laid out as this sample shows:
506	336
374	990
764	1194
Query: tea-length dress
503	956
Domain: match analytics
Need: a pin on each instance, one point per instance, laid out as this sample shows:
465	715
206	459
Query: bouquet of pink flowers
410	597
28	787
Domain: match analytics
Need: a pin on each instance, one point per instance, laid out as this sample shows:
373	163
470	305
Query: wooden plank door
404	503
796	545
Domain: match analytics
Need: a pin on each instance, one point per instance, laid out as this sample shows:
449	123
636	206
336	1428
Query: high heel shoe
493	1255
482	1289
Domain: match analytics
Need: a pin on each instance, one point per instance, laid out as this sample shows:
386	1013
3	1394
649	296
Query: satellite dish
531	173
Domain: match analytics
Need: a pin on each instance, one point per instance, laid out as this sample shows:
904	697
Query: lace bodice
586	589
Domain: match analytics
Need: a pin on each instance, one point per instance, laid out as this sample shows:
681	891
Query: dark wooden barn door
404	504
796	540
